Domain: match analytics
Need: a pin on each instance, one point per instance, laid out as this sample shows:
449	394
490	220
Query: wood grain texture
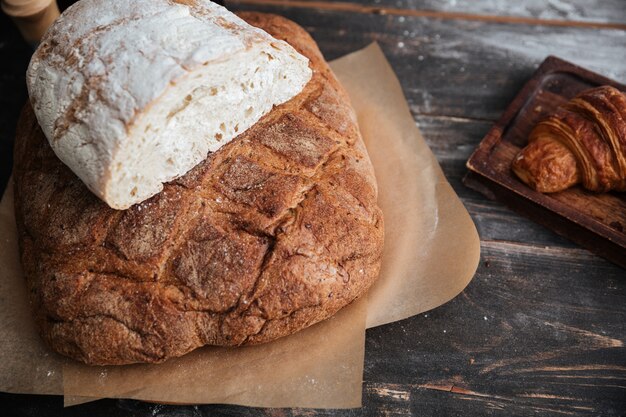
340	6
457	68
513	352
594	220
570	11
552	343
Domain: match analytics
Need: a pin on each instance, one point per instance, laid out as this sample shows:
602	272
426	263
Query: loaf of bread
275	231
584	141
134	93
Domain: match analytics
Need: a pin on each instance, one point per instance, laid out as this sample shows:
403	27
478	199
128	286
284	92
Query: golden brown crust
276	231
584	142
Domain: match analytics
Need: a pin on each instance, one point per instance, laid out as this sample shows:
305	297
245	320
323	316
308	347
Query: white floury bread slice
134	93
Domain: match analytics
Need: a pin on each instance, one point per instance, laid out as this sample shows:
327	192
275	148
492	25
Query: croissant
584	141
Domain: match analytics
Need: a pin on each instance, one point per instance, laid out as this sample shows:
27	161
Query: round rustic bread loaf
276	231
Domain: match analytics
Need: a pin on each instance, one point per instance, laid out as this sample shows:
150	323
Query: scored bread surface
274	232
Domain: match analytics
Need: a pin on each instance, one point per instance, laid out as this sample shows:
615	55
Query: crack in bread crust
274	232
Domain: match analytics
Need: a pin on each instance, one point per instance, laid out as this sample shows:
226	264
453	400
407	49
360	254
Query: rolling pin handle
32	17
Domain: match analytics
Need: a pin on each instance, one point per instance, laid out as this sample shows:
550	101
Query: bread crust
132	94
276	231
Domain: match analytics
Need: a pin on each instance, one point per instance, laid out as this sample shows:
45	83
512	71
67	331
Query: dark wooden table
541	329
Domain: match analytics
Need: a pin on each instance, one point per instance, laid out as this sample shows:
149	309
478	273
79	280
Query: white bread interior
134	93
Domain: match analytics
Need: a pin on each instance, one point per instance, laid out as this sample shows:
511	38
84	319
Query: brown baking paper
431	244
431	253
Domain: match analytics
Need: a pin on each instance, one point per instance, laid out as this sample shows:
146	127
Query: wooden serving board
595	221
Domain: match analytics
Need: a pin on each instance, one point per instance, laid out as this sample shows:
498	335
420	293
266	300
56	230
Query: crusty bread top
134	93
276	231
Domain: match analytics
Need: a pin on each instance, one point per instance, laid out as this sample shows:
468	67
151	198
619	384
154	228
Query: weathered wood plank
458	68
612	11
535	329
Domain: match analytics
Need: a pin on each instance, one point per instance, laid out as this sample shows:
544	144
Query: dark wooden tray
595	221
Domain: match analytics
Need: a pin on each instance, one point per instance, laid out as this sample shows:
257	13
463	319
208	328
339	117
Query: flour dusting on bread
134	93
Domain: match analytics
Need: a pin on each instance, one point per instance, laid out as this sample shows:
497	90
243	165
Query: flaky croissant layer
584	141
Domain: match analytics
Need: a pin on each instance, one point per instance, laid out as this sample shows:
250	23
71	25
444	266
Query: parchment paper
431	244
431	253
